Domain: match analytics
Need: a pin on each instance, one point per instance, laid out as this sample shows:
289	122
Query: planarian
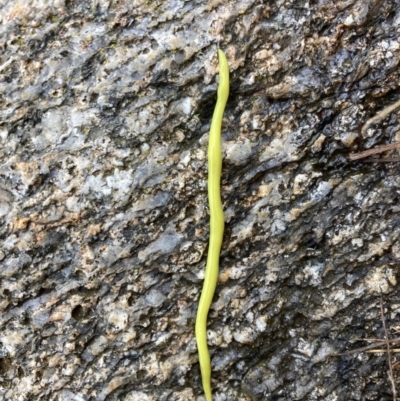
216	224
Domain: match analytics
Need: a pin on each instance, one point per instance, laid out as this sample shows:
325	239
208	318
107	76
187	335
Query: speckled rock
105	108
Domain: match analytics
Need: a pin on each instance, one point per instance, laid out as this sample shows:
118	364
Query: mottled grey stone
105	108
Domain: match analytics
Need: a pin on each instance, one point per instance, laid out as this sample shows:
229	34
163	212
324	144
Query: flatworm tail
216	224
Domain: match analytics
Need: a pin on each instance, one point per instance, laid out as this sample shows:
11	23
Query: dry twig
375	151
379	343
391	376
372	348
381	351
383	113
378	340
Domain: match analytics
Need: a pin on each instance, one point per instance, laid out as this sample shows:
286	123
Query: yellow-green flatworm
216	224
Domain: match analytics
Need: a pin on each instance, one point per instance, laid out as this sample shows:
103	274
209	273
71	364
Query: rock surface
105	108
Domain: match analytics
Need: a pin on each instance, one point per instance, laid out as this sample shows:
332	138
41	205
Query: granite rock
105	108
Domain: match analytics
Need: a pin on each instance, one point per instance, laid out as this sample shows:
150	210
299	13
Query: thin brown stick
379	340
389	353
381	351
375	151
377	343
383	113
362	349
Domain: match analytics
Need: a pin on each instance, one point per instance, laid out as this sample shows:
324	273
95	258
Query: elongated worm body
216	224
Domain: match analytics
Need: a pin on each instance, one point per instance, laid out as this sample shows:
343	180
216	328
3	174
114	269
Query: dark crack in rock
105	108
